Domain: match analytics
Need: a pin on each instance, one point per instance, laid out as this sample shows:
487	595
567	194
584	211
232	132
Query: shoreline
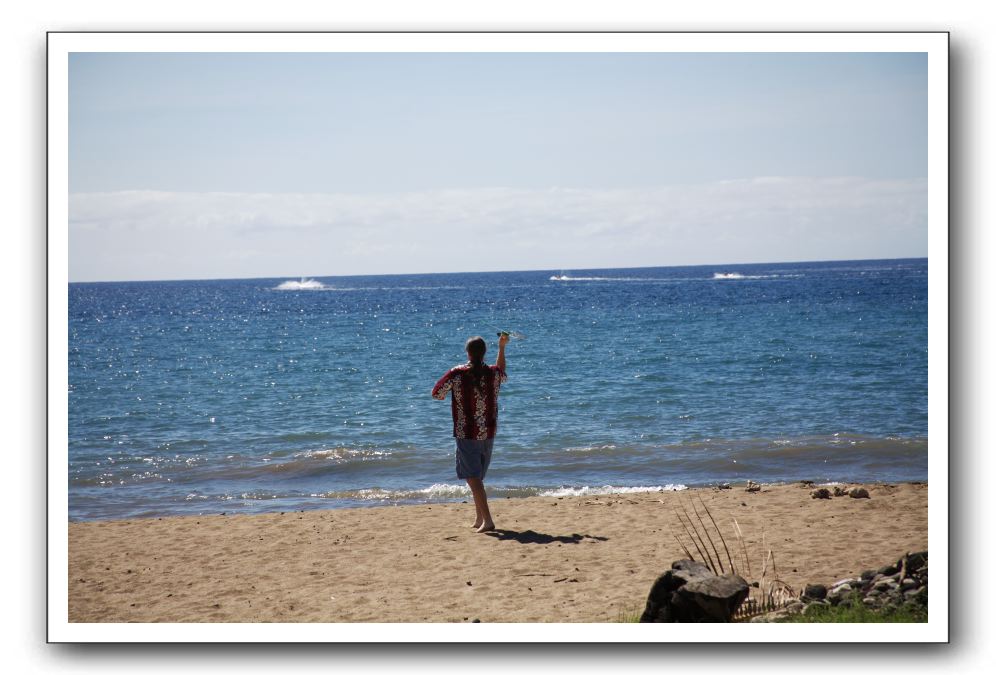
588	558
495	492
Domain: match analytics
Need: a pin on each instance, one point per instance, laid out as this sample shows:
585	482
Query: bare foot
477	524
486	527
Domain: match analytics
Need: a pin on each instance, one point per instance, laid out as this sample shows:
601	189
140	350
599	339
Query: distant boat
727	275
560	277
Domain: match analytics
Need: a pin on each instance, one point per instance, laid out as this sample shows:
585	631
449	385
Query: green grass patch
631	616
858	612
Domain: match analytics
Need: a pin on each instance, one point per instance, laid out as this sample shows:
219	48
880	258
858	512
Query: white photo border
62	44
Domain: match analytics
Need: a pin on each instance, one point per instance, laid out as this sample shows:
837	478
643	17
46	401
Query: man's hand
503	340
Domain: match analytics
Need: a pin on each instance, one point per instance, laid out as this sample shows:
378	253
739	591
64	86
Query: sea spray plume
304	284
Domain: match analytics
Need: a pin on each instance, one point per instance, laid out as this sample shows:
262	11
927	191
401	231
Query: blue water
240	395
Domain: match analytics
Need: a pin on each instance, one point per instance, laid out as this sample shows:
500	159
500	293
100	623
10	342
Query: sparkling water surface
277	394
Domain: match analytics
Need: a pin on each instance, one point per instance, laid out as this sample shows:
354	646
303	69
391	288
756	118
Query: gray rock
909	583
888	570
867	575
919	595
712	599
753	487
814	592
839	491
915	561
887	584
664	605
821	493
859	493
838	594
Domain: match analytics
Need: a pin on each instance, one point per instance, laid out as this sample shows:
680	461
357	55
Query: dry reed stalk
704	555
706	530
711	562
743	546
721	537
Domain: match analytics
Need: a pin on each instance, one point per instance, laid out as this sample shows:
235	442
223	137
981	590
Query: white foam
564	277
591	448
608	490
736	275
340	453
302	285
445	490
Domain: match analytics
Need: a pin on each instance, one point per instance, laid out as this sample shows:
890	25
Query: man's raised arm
502	341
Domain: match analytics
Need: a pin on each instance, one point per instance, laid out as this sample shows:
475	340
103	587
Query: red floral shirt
474	402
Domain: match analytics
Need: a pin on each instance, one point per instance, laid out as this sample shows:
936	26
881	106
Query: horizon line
547	269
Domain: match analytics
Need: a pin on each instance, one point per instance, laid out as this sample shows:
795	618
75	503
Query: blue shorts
473	457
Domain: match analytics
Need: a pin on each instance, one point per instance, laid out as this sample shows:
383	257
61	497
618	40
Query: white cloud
147	234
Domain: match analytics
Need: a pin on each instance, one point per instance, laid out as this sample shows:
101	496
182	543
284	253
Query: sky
228	165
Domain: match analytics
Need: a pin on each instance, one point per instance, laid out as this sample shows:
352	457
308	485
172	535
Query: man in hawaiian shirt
474	404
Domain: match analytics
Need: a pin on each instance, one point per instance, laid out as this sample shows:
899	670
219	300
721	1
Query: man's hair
476	348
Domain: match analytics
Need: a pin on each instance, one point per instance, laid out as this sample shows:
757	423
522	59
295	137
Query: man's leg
478	518
481	503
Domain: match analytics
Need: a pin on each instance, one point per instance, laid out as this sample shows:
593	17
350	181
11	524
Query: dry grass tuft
769	594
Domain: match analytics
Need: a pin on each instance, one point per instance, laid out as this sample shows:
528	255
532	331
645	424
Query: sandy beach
569	559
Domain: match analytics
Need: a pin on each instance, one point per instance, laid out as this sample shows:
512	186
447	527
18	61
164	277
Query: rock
914	561
919	595
867	575
814	592
840	593
909	583
690	593
821	493
859	493
724	486
658	608
690	570
753	487
888	570
713	599
839	491
886	584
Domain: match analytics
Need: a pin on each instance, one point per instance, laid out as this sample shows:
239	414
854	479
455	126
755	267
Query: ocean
253	395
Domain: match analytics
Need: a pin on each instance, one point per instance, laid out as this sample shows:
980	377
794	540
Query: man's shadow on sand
531	537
